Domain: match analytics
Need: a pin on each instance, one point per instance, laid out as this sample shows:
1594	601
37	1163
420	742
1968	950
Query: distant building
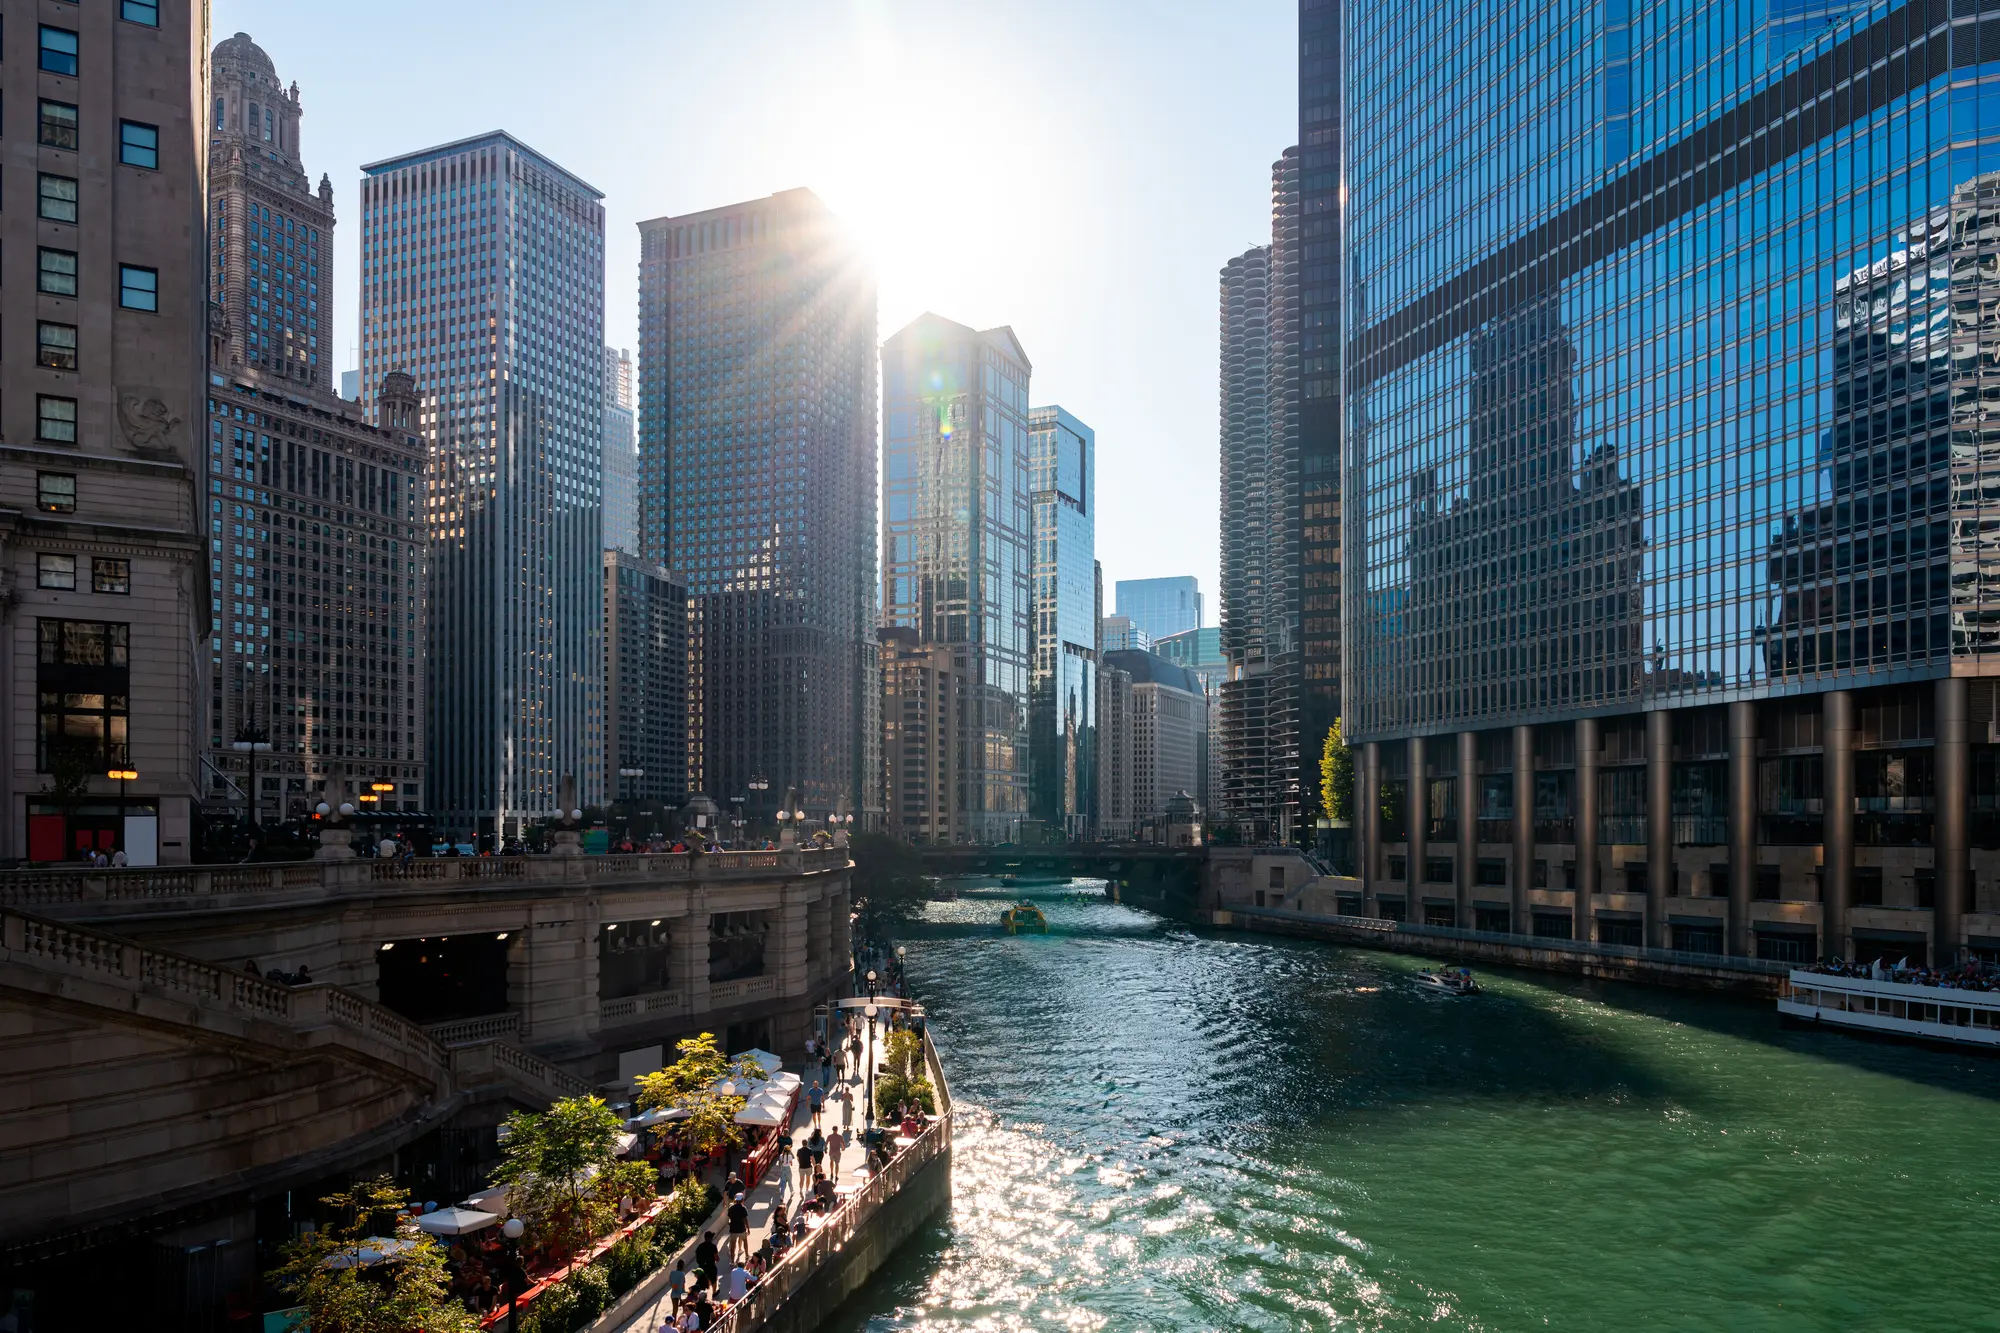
1200	652
1118	634
923	688
1165	726
1114	753
350	385
645	681
757	334
955	565
483	275
1161	606
621	454
1063	684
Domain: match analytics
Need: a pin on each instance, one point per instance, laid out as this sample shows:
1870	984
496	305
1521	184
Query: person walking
739	1228
817	1142
816	1099
677	1285
845	1096
836	1144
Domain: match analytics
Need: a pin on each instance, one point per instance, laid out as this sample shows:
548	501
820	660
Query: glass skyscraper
757	483
621	455
483	276
1062	493
1160	606
955	547
1670	471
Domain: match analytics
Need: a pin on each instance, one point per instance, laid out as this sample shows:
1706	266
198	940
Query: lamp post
869	1012
124	775
512	1229
759	784
252	741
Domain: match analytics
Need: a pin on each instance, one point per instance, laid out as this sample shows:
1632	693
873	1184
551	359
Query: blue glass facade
1160	606
1062	486
1666	448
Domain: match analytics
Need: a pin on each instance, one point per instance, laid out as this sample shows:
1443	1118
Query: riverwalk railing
791	1273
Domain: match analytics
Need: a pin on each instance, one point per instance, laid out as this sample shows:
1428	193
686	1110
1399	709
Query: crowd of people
1974	975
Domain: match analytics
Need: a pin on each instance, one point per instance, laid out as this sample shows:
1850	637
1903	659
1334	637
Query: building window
56	125
140	11
82	681
55	272
55	571
138	288
55	346
55	492
59	50
57	198
139	145
110	575
55	419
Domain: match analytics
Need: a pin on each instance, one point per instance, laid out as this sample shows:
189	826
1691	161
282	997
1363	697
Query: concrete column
1368	824
1742	826
817	932
1588	747
842	948
1468	825
1418	815
1523	870
789	929
1950	832
688	936
1659	822
1837	835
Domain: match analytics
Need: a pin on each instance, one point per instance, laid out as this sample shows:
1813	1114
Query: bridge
1143	872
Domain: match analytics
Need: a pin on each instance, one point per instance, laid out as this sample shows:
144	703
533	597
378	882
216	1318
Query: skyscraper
107	588
621	455
645	681
757	468
483	276
1159	715
1659	449
1200	652
1160	606
955	562
1118	634
1063	685
316	558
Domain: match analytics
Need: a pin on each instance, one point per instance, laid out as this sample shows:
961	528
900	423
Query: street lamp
252	741
869	1012
512	1229
124	775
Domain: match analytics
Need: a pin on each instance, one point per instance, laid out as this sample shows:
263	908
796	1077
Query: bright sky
1079	169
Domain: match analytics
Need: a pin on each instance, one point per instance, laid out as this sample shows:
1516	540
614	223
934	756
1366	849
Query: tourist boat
1444	981
1024	919
1895	1008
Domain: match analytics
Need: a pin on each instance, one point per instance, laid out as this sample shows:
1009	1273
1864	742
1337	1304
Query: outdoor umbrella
659	1115
373	1251
456	1221
761	1113
770	1063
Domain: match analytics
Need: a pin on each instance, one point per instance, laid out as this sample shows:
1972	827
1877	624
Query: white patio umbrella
659	1115
373	1251
762	1114
492	1199
456	1221
770	1063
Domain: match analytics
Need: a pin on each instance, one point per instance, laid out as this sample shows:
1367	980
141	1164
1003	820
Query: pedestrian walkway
781	1184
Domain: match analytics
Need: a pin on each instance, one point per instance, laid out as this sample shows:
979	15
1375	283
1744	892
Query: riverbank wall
1751	978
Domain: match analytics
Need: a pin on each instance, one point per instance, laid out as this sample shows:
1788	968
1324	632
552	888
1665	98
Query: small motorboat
1445	981
1024	919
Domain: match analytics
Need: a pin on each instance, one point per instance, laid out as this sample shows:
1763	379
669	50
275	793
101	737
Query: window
55	272
138	288
56	125
55	492
55	419
57	198
109	575
140	11
59	51
55	346
55	571
139	145
81	681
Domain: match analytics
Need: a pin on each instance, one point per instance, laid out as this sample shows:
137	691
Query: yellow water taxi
1024	919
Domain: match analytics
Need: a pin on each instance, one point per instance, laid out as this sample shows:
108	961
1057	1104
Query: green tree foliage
563	1174
889	881
689	1084
903	1054
323	1272
1336	777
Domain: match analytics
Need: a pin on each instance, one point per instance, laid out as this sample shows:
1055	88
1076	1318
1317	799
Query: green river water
1169	1129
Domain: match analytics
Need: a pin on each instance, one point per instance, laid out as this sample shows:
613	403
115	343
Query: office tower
483	277
1114	752
99	472
350	385
757	483
1117	634
1062	481
1160	606
955	540
1159	715
1652	636
645	681
1200	652
621	454
315	553
923	688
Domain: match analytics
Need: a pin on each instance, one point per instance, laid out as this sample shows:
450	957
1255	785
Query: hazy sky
1079	169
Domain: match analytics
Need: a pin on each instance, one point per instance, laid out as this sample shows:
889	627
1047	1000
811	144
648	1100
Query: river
1169	1129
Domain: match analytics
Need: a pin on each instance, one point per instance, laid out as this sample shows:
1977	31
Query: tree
563	1174
1336	777
903	1054
323	1270
689	1084
889	881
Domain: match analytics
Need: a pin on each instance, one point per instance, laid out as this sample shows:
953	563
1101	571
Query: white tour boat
1444	981
1928	1013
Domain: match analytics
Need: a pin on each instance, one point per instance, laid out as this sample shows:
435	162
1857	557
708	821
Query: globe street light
512	1229
252	741
870	1012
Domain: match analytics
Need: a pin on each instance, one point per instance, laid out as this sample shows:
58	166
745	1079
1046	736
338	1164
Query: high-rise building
99	472
645	681
1668	609
1200	652
483	277
1118	634
621	454
757	484
955	545
350	385
923	688
1063	684
1161	606
316	557
1160	716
